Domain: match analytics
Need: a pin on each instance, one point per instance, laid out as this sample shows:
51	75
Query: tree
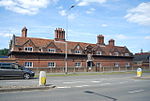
4	52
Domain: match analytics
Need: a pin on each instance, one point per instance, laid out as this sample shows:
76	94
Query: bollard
42	78
139	72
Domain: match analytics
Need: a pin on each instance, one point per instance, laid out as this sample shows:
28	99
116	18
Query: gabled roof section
76	47
52	45
39	42
29	42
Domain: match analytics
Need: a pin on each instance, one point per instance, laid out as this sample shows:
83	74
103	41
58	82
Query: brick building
50	54
142	60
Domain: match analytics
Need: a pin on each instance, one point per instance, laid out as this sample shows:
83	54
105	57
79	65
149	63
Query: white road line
82	86
123	82
64	87
73	82
96	81
135	91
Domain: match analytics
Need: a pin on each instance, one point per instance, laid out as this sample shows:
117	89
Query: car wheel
26	76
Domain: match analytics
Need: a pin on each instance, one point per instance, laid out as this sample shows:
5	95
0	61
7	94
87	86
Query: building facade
55	54
142	60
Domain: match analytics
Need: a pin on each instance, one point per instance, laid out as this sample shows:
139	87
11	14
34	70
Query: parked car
15	70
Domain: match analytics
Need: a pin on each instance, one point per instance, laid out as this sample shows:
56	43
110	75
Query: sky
125	21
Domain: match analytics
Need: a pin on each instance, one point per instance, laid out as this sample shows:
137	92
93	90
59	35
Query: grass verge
101	73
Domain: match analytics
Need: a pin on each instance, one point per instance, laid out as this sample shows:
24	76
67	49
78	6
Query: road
118	87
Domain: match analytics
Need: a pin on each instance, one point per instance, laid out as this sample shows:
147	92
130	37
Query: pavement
12	85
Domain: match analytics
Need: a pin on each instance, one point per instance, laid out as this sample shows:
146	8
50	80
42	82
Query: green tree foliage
4	52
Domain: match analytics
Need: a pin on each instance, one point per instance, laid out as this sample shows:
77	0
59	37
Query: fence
85	69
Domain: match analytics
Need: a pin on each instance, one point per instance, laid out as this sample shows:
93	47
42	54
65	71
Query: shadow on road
94	93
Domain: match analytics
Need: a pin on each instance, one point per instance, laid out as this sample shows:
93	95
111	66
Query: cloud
6	35
29	7
139	14
71	16
63	12
104	25
87	2
147	37
91	10
118	36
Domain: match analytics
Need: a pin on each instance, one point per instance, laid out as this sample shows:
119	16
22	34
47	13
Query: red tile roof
39	42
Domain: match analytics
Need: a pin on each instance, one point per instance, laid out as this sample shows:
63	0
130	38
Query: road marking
72	82
135	91
123	82
82	86
64	87
96	81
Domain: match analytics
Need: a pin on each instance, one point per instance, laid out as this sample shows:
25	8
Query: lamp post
66	44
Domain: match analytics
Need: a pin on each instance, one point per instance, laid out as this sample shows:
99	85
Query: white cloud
63	12
71	16
121	36
139	14
6	35
118	36
91	10
87	2
25	6
104	25
147	37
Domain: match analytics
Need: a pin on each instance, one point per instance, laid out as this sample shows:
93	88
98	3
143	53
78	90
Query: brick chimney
24	32
100	40
111	42
59	34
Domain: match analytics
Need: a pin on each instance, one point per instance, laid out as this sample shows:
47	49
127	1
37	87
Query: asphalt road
119	87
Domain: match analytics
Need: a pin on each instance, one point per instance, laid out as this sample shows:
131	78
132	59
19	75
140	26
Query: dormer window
126	54
28	49
116	53
98	53
77	52
51	50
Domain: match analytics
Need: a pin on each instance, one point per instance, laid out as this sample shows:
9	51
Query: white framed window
116	53
51	50
52	64
78	64
116	64
28	49
98	64
78	52
99	53
126	54
127	64
28	64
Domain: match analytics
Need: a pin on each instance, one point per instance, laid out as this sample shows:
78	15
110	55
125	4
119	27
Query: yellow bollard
139	72
42	78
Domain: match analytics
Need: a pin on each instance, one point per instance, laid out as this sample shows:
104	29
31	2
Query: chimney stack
111	42
24	32
59	34
100	40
